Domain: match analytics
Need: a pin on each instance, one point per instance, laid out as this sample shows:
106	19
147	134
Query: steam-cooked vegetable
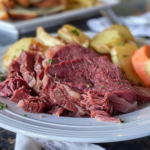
16	49
140	61
105	40
121	55
124	31
46	39
70	33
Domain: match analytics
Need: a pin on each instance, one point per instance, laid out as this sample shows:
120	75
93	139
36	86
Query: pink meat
15	66
20	94
32	104
120	104
27	68
142	93
107	119
101	78
65	99
12	83
39	70
50	54
103	116
94	102
57	111
99	112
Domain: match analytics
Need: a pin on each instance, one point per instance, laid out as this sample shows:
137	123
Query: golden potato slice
70	33
105	40
16	49
124	31
121	55
46	39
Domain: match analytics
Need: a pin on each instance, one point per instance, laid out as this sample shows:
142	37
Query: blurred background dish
28	9
22	17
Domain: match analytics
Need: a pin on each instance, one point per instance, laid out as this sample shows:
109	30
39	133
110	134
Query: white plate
75	129
20	27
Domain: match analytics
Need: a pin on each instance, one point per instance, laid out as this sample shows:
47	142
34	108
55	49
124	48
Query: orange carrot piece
139	59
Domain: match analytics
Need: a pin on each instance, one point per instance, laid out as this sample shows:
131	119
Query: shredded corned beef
71	80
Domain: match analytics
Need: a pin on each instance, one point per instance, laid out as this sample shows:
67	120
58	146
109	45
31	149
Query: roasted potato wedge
15	50
105	40
121	55
124	31
46	39
70	33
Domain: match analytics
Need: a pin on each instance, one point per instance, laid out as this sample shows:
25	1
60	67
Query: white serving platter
137	124
20	27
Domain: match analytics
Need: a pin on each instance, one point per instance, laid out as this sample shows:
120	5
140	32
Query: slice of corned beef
12	83
103	116
15	66
93	69
20	94
75	51
94	102
142	93
107	119
99	112
97	73
27	68
32	104
69	52
120	104
57	111
39	70
66	98
48	84
121	88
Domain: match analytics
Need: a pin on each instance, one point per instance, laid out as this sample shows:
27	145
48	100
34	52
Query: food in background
29	9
